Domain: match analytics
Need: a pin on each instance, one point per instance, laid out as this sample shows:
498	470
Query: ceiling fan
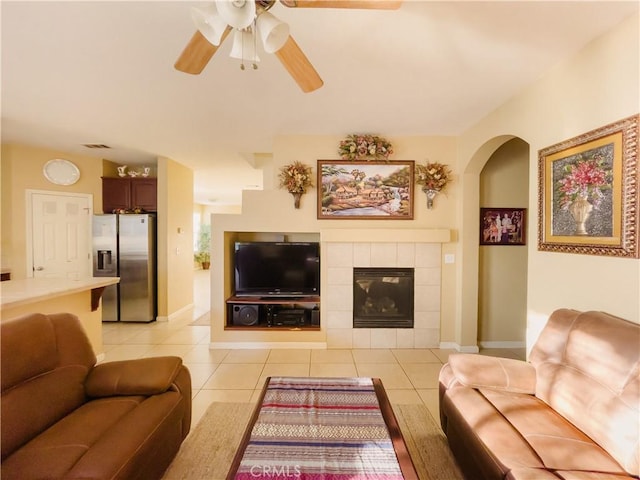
248	19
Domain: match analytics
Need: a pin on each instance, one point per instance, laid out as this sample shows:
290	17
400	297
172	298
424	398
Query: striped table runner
323	428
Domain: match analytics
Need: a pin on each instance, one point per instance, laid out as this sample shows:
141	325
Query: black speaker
245	315
315	318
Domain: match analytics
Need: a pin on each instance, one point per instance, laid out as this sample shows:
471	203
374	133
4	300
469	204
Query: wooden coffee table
323	428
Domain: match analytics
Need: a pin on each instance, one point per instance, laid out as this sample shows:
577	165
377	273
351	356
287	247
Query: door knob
39	269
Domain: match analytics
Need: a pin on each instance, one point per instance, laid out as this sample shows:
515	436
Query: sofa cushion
58	448
588	370
557	442
101	439
537	474
142	376
28	350
489	442
39	403
478	371
44	361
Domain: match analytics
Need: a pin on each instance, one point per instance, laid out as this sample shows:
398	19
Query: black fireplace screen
383	297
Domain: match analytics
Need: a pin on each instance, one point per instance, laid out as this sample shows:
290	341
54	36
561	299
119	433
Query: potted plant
202	254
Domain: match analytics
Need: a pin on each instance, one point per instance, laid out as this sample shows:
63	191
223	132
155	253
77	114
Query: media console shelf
268	313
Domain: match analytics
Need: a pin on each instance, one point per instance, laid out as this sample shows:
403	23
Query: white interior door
61	235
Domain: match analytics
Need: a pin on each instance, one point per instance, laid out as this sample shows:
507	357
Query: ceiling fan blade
197	53
361	4
299	66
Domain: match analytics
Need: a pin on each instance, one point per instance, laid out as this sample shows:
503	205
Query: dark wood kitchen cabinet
128	193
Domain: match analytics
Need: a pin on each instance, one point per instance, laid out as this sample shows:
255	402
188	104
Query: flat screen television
277	269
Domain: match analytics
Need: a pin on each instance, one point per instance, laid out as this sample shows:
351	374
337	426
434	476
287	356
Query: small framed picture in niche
503	226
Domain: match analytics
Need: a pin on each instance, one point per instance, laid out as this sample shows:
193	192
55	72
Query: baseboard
176	314
503	344
269	345
459	348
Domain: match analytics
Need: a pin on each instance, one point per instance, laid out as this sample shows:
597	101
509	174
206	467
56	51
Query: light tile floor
409	376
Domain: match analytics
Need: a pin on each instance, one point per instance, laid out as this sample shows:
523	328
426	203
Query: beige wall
6	228
502	295
271	210
22	170
175	239
596	87
205	211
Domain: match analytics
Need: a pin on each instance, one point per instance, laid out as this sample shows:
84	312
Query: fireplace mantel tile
394	235
405	338
384	254
340	276
361	338
418	249
427	276
427	298
406	254
338	254
362	255
339	338
384	338
428	255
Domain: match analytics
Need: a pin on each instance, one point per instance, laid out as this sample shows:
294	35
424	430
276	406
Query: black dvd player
287	317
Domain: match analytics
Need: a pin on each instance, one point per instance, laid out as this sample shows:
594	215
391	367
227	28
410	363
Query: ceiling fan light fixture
237	13
273	32
244	47
209	23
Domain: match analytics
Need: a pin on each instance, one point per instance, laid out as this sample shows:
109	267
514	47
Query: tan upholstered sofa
571	412
64	417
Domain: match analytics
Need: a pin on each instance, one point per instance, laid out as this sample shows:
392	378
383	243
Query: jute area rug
208	451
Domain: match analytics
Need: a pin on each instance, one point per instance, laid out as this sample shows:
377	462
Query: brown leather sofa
571	412
64	417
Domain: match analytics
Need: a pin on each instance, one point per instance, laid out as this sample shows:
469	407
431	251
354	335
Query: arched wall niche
466	330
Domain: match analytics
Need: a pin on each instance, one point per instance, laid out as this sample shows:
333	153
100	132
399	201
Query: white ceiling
102	72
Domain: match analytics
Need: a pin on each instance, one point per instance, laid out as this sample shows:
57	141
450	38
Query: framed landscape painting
349	190
588	192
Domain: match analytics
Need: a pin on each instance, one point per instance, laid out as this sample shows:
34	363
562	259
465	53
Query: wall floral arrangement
296	178
434	178
365	147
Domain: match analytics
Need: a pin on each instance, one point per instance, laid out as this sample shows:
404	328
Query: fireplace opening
383	297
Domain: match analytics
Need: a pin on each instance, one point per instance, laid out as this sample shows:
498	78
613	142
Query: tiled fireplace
340	257
382	297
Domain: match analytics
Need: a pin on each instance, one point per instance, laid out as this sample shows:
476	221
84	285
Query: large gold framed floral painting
588	192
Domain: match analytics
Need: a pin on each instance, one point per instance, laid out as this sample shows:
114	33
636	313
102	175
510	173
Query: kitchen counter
14	293
56	295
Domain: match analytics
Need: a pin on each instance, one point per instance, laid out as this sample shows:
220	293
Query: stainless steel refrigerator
125	246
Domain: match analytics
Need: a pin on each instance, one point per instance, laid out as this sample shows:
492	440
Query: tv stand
273	312
276	298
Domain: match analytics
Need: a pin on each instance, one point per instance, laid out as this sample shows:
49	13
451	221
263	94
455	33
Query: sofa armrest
143	376
481	371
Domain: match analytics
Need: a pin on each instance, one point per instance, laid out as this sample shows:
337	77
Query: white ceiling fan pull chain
244	47
254	35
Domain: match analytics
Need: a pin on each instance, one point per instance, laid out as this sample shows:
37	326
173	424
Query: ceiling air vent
96	145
